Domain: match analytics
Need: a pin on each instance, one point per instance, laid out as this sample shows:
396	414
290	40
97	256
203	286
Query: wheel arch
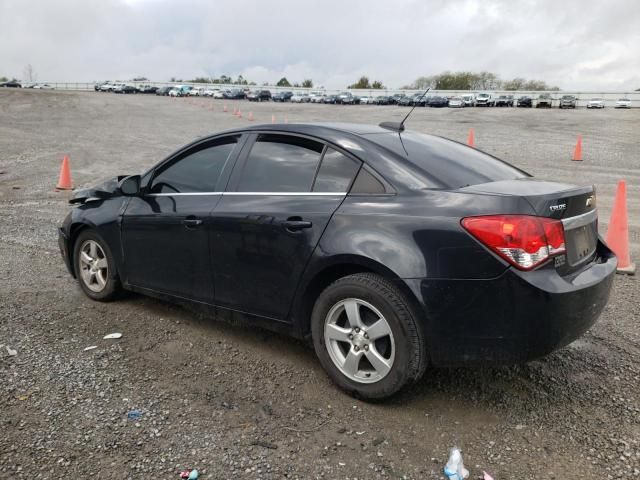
323	274
74	232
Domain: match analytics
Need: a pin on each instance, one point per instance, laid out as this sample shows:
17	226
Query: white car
219	94
44	86
364	100
209	92
469	100
300	98
620	103
318	97
456	102
108	87
595	103
196	92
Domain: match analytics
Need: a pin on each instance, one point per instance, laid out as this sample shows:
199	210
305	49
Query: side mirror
130	186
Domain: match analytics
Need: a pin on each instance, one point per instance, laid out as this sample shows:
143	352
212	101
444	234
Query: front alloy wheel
94	267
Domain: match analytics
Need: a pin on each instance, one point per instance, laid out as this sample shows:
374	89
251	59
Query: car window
198	171
280	163
336	172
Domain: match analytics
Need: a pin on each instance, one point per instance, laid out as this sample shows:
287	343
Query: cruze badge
591	201
557	208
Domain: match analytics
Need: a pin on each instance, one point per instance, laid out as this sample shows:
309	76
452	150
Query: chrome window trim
181	194
580	220
280	194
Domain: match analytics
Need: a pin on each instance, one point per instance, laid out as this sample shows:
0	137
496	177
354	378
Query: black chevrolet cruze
390	250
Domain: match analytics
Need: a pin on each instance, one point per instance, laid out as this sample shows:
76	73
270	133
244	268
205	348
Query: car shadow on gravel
527	391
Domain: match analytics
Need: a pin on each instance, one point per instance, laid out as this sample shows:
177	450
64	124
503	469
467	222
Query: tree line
476	81
442	81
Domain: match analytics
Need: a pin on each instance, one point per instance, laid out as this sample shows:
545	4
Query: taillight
524	241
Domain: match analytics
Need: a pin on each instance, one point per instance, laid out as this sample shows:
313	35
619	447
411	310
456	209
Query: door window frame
192	148
252	138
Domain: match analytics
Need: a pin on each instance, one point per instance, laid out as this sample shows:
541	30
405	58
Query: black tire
410	354
112	285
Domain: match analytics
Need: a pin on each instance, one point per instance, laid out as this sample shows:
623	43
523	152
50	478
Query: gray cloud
587	45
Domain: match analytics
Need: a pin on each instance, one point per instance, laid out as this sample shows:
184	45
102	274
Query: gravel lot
237	402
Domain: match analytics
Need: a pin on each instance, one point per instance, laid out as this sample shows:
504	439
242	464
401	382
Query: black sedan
390	251
438	102
282	97
235	94
11	84
525	101
259	96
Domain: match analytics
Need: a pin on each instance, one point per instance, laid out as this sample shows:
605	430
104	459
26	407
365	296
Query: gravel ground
238	402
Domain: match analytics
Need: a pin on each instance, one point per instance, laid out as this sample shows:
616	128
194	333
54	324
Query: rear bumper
516	317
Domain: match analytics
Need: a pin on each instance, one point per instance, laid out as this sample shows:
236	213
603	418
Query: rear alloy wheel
94	267
366	337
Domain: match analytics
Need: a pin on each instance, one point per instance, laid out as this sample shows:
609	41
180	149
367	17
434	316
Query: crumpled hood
101	191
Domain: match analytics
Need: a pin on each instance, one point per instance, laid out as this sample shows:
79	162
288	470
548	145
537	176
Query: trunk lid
574	206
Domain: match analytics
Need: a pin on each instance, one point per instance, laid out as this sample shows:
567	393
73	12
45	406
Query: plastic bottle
454	469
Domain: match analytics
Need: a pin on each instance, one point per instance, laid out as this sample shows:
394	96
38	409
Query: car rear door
283	192
165	230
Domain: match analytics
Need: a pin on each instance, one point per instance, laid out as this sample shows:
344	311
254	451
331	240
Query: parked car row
120	87
481	99
37	86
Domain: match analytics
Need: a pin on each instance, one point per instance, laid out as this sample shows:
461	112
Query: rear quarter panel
416	236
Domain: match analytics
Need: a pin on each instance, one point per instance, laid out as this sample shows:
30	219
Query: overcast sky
574	44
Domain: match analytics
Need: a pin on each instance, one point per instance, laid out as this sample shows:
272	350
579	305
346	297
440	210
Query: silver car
456	102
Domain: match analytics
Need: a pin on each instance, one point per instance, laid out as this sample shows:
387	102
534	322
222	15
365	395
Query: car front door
282	194
165	230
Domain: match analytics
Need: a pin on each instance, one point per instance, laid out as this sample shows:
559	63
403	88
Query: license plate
582	244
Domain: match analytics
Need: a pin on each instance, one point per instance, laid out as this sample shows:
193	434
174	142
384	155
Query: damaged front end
107	189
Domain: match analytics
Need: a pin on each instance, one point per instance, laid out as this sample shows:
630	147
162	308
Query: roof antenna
399	127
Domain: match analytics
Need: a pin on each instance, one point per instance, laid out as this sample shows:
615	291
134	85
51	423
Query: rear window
449	164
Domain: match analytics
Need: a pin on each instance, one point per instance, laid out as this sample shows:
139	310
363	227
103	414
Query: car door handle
296	223
191	222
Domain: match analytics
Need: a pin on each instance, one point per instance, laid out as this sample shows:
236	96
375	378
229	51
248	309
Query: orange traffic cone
273	119
250	118
64	180
618	231
471	138
577	152
225	108
239	114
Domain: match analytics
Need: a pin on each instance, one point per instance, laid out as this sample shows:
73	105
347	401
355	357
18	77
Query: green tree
515	84
421	83
140	79
377	85
283	82
200	80
4	79
307	83
363	83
